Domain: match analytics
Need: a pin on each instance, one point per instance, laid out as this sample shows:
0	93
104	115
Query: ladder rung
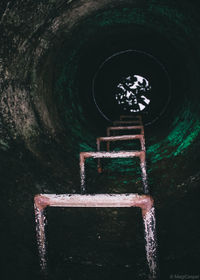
95	200
109	139
121	154
127	122
115	128
121	137
145	202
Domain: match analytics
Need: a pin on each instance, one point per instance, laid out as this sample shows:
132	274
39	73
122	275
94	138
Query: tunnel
61	66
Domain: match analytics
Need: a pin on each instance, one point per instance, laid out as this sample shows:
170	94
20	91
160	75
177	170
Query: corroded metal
145	202
121	154
149	221
120	138
144	172
40	221
118	128
139	122
117	138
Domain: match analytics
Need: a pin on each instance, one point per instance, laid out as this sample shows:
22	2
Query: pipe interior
58	55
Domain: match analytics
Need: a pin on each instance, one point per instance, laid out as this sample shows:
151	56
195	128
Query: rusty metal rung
121	154
115	154
117	138
109	139
127	122
118	128
145	202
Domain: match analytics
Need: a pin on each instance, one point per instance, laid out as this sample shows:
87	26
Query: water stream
41	221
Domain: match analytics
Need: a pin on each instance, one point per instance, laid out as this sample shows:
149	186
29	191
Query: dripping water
41	221
151	242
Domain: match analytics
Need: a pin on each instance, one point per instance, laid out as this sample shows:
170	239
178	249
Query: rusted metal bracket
121	154
118	128
120	138
145	202
132	122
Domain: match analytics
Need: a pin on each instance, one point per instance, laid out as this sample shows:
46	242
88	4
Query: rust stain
116	128
127	122
41	201
109	139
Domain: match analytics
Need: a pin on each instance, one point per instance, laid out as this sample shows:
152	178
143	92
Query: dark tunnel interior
60	65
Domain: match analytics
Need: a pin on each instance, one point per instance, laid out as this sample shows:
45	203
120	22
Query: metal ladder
145	201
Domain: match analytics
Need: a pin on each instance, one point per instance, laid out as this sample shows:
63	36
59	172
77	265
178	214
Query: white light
128	93
133	93
141	106
146	100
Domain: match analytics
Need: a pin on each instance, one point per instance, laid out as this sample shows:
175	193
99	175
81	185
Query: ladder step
145	202
121	154
117	154
109	139
118	128
120	137
127	122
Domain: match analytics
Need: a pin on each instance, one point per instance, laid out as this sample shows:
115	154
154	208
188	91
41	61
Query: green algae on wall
184	130
174	24
190	138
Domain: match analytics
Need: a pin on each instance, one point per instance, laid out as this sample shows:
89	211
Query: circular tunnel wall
116	34
50	53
